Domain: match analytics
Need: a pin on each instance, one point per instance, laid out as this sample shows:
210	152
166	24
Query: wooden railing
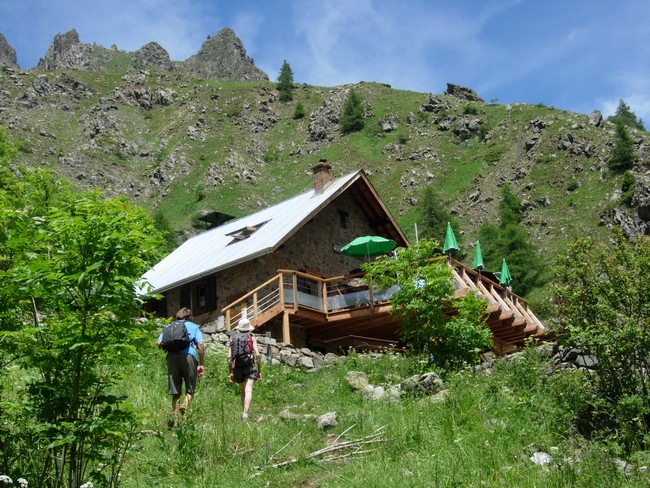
290	290
495	294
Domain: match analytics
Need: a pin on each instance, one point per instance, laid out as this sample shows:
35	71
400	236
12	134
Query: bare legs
176	408
246	388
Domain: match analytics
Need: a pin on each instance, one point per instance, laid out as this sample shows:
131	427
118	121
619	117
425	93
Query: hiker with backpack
244	363
183	342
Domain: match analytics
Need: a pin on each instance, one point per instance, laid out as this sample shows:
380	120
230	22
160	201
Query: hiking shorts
181	368
245	372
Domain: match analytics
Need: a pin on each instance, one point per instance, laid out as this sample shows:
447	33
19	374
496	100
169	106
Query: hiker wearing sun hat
244	362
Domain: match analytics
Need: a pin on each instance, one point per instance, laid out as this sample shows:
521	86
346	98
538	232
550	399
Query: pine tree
623	156
510	240
351	119
625	115
433	215
285	82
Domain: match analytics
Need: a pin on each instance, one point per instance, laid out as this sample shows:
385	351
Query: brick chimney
321	175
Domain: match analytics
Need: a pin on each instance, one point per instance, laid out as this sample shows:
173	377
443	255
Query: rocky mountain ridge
222	57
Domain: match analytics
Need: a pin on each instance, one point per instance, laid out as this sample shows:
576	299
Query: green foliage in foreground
450	330
604	306
478	434
69	263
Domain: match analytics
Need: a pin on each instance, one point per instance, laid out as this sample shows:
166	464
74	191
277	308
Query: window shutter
185	297
211	293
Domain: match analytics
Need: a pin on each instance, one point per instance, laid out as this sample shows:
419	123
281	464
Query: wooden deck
341	312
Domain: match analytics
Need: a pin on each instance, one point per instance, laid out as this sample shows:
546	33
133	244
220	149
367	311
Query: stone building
304	233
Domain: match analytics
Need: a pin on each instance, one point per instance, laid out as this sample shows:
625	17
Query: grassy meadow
481	432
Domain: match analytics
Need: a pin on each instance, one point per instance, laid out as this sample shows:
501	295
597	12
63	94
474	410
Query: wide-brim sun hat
244	326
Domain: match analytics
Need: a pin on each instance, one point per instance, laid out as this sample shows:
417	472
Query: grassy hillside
481	432
181	146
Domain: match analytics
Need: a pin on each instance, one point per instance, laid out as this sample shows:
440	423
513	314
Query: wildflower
22	482
6	480
88	484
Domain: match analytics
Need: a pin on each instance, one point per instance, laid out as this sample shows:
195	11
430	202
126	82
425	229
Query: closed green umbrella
368	246
505	278
450	240
478	258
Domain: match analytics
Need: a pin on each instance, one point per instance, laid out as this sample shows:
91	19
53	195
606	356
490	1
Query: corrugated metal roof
214	250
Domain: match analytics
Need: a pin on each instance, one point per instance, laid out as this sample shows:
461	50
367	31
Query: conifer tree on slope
285	82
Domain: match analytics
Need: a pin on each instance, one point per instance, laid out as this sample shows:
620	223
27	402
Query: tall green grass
479	434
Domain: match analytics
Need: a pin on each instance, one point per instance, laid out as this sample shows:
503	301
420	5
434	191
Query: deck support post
286	334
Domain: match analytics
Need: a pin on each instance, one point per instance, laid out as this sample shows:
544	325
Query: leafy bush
424	303
494	153
299	112
627	187
470	109
66	316
603	297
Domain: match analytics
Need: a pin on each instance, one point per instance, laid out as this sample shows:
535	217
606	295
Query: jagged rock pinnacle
223	57
7	53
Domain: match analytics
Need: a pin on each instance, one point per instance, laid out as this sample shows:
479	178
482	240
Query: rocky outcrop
7	54
462	92
435	103
223	57
66	51
323	122
152	55
641	199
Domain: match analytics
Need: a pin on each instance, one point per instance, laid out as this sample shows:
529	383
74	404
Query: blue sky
576	55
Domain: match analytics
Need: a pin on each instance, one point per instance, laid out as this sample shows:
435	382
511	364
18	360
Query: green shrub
299	112
627	187
470	109
494	153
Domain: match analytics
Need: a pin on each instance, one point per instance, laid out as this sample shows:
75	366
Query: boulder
596	118
357	380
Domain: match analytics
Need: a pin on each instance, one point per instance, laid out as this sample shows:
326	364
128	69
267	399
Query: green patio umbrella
450	240
505	278
368	246
478	258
